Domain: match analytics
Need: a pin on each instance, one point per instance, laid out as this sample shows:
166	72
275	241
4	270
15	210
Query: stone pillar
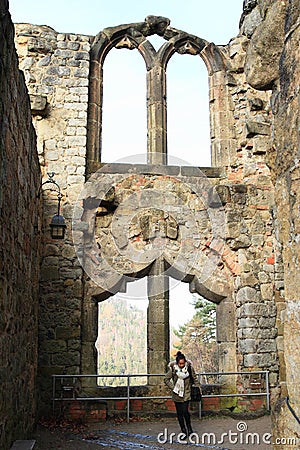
226	335
94	137
89	336
226	339
158	322
157	115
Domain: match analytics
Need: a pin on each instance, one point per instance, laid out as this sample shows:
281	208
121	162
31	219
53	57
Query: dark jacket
171	379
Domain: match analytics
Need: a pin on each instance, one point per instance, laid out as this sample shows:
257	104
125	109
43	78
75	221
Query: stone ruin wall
272	60
20	246
56	68
258	98
59	103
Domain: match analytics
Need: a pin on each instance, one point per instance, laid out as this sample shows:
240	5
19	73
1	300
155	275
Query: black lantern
57	225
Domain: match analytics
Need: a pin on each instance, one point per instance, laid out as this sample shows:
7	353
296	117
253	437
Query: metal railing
130	397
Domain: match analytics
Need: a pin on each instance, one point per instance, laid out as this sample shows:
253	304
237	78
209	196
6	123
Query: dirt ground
218	433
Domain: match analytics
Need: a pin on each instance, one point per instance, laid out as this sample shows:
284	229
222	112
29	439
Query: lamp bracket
50	181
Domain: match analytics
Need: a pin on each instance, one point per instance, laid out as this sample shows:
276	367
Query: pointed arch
134	36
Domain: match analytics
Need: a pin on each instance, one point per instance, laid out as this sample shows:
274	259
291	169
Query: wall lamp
57	225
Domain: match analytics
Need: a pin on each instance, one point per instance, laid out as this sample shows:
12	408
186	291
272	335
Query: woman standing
180	377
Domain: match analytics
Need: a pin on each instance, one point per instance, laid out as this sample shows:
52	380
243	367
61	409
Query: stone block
266	346
69	358
248	279
267	291
265	322
280	343
158	311
247	294
233	229
263	277
227	358
74	345
282	366
64	333
261	145
254	128
258	240
251	360
38	104
265	47
266	333
266	360
248	346
248	322
248	333
50	261
157	363
254	310
54	346
49	274
226	322
243	241
218	196
157	335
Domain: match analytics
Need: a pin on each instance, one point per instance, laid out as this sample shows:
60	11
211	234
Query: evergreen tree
197	337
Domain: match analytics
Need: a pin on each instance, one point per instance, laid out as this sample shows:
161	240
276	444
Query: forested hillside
122	341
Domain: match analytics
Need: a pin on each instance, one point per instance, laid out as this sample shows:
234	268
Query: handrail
287	400
128	397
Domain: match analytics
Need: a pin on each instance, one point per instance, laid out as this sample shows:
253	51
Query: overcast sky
125	91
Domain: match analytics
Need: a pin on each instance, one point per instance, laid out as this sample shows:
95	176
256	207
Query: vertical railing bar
53	395
268	390
128	398
200	406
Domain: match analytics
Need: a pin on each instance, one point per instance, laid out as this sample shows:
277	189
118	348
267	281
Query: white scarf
182	374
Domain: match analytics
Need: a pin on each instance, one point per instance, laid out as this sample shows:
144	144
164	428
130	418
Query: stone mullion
89	336
157	115
158	321
94	144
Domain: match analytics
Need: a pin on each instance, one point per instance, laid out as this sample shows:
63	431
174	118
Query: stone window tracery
134	36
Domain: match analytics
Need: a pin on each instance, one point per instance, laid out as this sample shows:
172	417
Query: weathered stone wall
254	100
272	62
20	244
56	69
250	228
